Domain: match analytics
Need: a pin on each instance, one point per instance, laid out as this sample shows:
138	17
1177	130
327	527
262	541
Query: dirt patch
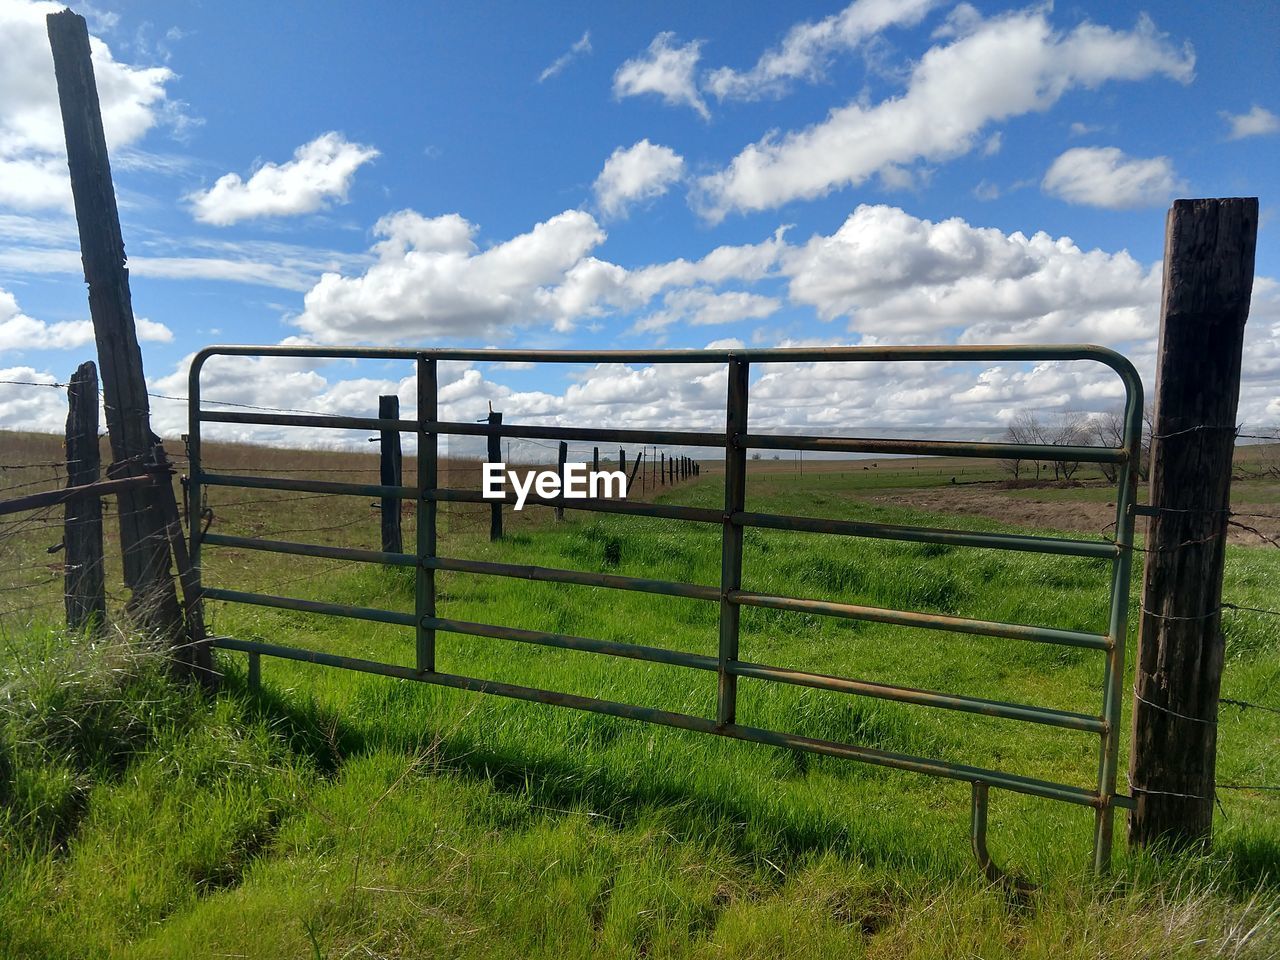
1075	516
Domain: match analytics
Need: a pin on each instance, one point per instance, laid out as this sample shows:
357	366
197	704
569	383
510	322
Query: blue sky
587	175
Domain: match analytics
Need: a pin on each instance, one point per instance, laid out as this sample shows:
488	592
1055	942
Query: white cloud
1004	67
806	50
700	306
1257	122
582	46
20	332
319	172
666	69
1106	177
895	276
33	166
432	280
642	171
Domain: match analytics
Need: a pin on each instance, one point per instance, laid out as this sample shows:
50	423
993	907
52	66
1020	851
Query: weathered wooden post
560	462
622	459
495	456
1208	279
85	586
153	602
595	459
391	474
637	468
662	469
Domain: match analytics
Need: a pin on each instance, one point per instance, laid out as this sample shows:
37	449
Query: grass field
342	815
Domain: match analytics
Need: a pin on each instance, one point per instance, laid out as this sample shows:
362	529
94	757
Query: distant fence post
662	469
391	475
495	456
1208	279
561	459
636	469
85	586
144	538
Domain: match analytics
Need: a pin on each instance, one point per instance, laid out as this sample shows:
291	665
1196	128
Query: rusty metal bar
666	511
938	768
735	494
1103	549
931	621
556	575
311	606
375	490
897	354
532	432
424	592
1113	668
932	448
924	698
564	641
310	550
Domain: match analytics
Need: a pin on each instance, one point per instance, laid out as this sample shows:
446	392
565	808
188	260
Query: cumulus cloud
896	276
1106	177
583	46
1258	122
20	332
1001	68
700	306
320	171
33	166
431	279
806	50
642	171
668	69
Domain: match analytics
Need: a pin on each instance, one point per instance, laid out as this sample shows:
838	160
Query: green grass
345	815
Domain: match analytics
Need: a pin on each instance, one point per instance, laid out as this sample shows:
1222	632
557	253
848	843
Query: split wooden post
495	456
153	601
391	473
560	462
1208	279
85	584
622	459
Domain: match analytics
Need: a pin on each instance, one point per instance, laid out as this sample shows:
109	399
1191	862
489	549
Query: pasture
340	815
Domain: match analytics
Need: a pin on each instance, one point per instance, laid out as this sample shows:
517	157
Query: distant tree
1107	430
1024	428
1068	429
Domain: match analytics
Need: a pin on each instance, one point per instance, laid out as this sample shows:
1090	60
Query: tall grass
343	815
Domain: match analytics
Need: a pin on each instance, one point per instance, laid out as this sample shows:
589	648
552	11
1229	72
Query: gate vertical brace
1113	670
428	475
495	456
735	490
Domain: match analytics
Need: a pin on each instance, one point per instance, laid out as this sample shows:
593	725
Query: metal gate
735	441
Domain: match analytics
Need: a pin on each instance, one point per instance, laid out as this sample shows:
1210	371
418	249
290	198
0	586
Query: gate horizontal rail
735	441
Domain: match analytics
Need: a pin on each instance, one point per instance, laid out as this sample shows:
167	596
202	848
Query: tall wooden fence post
143	529
86	598
1208	279
495	456
391	474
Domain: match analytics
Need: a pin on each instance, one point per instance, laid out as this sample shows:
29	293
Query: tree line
1071	428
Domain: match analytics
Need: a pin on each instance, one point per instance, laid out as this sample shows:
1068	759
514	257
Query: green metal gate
735	441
